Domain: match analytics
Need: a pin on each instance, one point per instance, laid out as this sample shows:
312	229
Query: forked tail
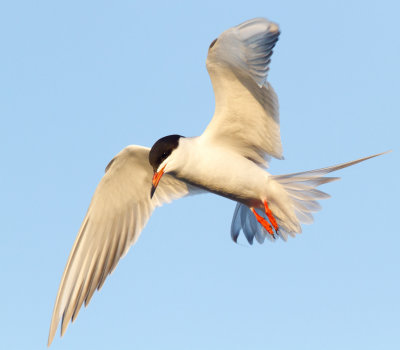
296	198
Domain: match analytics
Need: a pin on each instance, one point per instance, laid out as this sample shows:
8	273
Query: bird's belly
232	176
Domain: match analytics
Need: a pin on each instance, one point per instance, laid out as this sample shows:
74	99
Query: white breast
219	170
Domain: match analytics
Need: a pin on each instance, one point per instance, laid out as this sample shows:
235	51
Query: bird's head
160	156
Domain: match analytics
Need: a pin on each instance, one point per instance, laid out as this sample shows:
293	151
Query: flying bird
229	159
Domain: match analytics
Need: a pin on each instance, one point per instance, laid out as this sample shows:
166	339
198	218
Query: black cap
162	149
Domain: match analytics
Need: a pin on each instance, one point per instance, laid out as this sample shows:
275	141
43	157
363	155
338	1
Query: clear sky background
81	80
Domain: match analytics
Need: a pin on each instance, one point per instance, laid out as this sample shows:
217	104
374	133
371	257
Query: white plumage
246	117
228	159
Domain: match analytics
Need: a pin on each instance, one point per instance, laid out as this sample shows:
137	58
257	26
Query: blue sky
82	80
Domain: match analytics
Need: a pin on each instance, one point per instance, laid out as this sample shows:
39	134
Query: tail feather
294	202
310	194
307	205
327	170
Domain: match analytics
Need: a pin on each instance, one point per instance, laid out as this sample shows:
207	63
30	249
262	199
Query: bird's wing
119	210
246	117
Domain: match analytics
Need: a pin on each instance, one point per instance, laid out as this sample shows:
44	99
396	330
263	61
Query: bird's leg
263	222
271	217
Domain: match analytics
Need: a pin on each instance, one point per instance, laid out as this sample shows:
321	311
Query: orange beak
156	179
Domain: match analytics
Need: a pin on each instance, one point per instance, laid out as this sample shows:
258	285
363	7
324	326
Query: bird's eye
164	156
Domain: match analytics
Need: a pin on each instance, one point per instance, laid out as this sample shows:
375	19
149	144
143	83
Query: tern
229	159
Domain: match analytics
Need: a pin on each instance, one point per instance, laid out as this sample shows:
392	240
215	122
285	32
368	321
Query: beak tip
153	189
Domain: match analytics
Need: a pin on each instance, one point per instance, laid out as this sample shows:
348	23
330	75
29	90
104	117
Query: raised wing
119	210
246	117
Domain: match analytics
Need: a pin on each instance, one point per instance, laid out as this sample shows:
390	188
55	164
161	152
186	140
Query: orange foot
271	217
264	222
